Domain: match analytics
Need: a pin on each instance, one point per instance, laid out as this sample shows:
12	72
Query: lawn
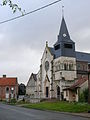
60	106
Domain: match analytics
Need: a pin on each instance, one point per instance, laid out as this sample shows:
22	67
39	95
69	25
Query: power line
14	18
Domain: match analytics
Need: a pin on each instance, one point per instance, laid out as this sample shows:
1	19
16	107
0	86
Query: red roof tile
8	81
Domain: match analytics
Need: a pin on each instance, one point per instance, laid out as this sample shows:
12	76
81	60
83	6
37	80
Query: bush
13	101
22	102
84	96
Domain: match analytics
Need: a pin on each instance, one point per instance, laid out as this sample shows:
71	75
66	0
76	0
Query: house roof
8	81
78	83
34	76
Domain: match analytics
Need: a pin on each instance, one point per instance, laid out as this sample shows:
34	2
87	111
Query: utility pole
89	87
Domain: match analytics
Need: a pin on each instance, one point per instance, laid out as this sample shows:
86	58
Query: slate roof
8	81
63	31
81	56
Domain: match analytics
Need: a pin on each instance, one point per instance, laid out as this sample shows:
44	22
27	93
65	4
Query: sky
22	41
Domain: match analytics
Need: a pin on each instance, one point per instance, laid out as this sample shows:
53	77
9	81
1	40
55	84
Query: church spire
63	33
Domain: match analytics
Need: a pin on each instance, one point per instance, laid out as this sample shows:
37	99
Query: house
72	93
31	86
61	65
8	88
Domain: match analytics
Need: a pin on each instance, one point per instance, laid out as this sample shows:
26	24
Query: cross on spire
62	11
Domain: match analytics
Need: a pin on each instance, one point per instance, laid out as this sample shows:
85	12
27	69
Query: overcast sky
22	41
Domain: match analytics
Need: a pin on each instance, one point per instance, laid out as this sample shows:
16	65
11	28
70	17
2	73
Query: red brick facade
8	88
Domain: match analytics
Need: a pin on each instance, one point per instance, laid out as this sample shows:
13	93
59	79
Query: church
61	68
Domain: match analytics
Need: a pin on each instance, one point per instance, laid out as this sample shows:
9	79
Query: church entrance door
58	92
47	90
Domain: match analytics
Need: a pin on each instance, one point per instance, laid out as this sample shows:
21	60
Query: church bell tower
64	45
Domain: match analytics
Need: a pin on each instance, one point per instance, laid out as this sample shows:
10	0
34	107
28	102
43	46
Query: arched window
70	67
65	66
7	89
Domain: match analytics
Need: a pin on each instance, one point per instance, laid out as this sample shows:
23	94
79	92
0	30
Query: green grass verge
60	106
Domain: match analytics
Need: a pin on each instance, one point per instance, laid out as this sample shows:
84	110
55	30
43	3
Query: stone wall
65	67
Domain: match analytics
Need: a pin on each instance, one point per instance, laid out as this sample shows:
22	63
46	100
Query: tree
21	89
12	5
84	96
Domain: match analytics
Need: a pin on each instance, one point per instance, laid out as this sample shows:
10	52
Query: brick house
8	88
73	92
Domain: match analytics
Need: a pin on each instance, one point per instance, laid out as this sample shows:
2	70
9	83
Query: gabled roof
34	76
8	81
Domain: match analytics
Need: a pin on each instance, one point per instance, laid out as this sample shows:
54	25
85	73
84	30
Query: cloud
20	63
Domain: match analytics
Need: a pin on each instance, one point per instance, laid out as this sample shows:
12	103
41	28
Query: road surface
8	112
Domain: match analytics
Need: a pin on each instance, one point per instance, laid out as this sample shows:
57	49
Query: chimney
4	76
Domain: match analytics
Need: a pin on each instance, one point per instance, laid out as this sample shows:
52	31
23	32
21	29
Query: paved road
18	113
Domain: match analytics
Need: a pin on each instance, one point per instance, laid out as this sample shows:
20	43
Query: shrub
13	101
84	96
